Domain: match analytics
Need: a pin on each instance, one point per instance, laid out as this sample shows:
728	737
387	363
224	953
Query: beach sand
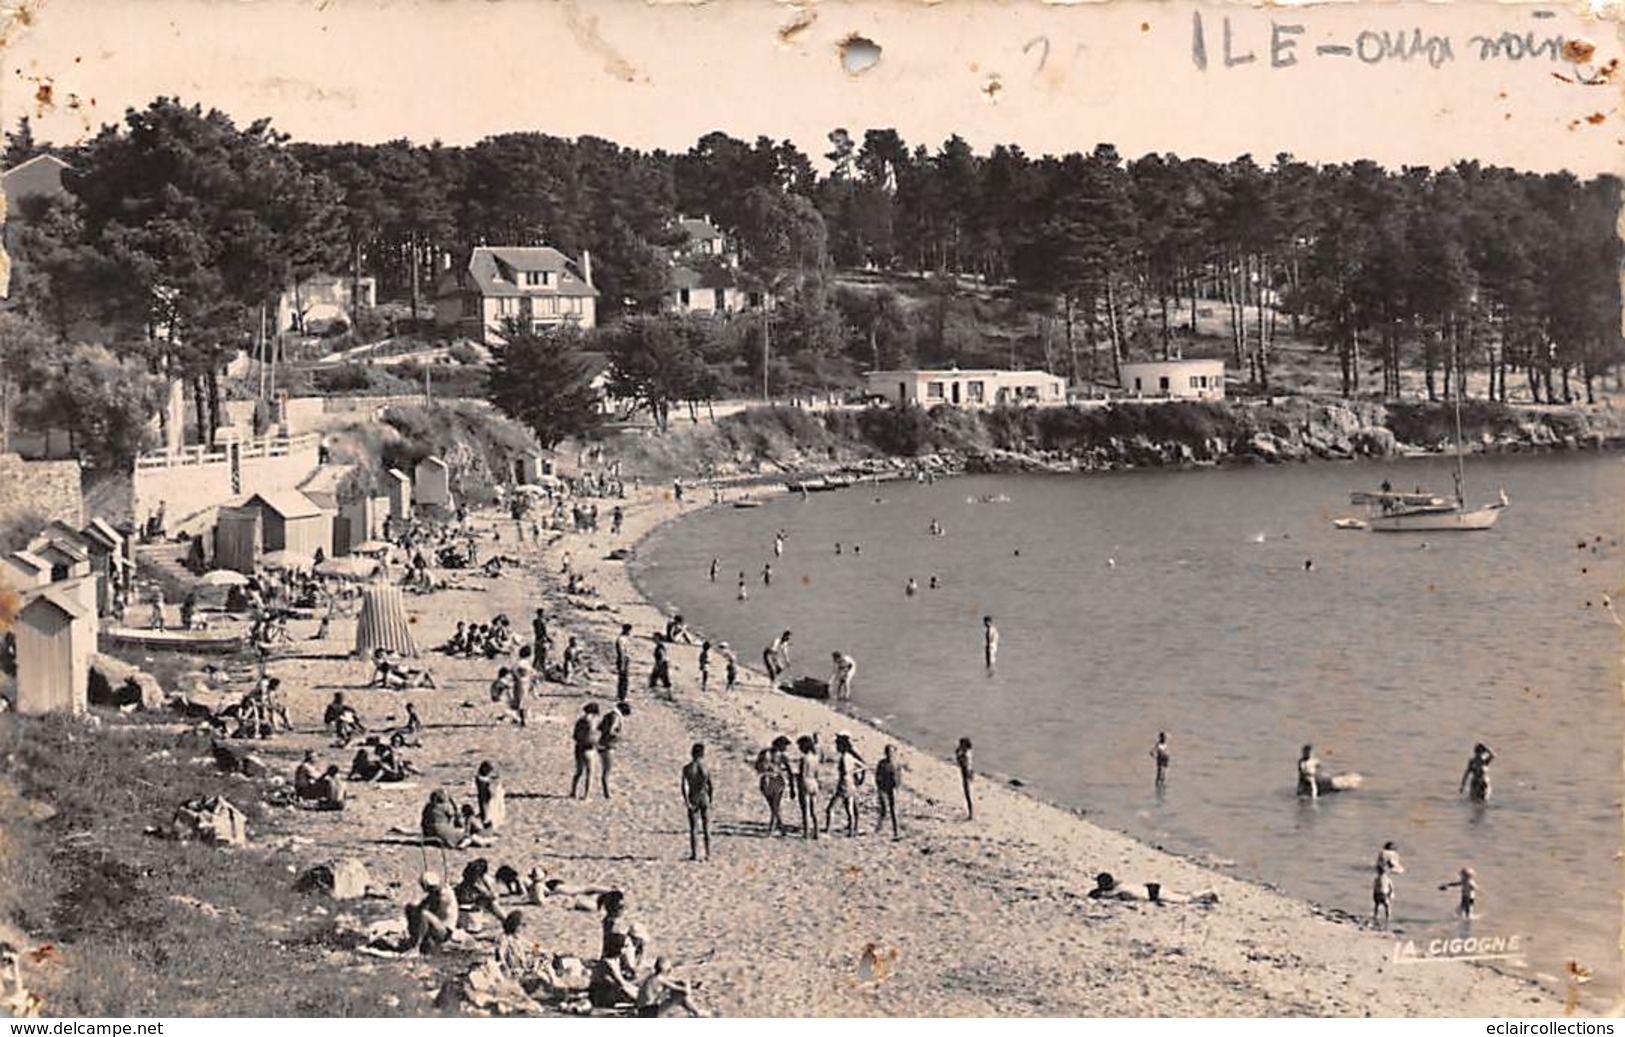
957	918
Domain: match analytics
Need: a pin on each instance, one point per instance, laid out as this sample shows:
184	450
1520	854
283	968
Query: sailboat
1423	512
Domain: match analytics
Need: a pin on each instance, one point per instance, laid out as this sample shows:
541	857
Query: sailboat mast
1461	472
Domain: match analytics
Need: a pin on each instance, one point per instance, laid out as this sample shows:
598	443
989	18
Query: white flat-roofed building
980	388
1173	379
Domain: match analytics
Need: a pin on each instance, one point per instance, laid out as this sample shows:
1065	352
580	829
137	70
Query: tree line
180	225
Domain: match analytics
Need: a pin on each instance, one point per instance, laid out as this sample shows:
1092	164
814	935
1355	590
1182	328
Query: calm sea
1186	602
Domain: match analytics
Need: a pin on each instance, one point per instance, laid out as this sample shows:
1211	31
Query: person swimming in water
1475	780
1308	774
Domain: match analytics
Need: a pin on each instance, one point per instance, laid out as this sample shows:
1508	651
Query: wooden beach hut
237	541
431	483
68	561
291	521
53	654
399	487
106	559
383	622
26	570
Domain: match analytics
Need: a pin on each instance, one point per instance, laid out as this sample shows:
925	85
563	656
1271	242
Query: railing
204	454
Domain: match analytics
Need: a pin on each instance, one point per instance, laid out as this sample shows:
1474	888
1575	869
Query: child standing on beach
732	672
807	786
962	756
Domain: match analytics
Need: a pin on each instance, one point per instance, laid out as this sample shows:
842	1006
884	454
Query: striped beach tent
383	622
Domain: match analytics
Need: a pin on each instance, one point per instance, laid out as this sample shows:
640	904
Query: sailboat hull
1437	521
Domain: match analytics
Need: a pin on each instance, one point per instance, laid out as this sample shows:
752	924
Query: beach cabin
399	487
431	483
529	467
237	539
291	521
68	561
54	645
973	389
25	571
106	547
1173	379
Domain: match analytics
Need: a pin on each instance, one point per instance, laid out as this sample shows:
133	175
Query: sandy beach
984	917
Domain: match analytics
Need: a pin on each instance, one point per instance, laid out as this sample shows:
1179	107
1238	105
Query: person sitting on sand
443	823
342	718
431	920
475	892
1468	885
329	791
304	776
677	631
365	765
414	724
491	797
1308	774
1475	780
457	644
1108	888
661	996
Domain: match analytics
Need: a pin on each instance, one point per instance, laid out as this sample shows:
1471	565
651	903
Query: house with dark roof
538	286
705	274
28	186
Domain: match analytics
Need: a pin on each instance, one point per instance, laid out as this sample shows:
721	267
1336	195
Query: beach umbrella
287	560
371	547
383	623
351	568
224	578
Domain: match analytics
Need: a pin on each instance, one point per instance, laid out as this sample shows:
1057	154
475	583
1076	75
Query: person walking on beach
1382	898
585	737
1469	893
845	668
731	670
623	662
990	642
849	768
776	656
1475	780
1308	774
610	727
696	786
540	640
615	519
1159	752
705	666
773	777
807	786
887	781
967	771
660	671
716	563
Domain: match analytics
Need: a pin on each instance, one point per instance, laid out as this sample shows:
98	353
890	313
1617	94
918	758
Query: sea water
1222	607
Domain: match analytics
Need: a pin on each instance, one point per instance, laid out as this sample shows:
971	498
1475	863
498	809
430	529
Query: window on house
1162	383
719	300
1055	389
538	278
682	297
507	307
1195	382
933	390
975	392
1136	385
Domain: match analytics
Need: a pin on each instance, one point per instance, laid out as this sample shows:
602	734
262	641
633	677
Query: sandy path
984	917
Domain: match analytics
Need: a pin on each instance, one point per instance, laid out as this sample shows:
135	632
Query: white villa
985	388
536	286
1173	379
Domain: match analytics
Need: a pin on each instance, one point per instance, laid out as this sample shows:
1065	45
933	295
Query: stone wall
193	485
49	489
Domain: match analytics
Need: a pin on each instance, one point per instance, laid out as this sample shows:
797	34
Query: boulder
1374	442
211	819
1264	445
114	682
343	879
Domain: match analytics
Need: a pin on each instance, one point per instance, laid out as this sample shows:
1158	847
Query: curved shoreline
1317	918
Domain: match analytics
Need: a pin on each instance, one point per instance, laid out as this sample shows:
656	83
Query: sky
1415	87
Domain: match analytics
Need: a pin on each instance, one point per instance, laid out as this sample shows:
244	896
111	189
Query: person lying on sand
386	674
1108	888
542	890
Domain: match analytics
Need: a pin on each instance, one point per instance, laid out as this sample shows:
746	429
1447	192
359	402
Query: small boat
1350	523
747	502
198	641
807	688
1423	512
